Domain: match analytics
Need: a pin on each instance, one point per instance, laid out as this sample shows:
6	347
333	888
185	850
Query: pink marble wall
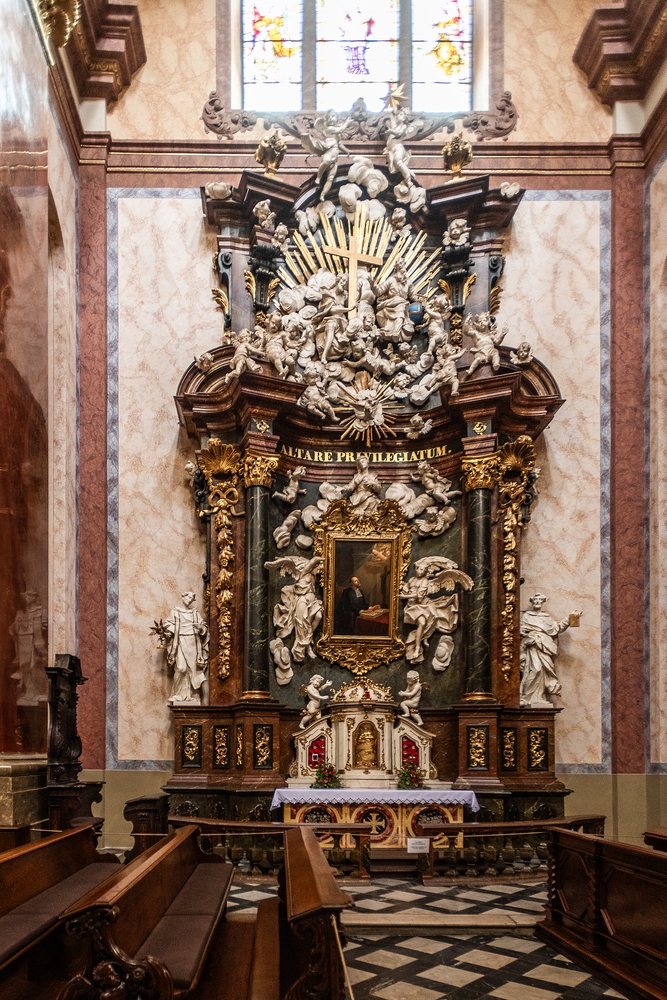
62	398
551	298
166	316
551	94
167	95
23	378
658	466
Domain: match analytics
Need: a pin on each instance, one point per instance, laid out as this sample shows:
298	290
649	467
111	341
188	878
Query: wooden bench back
31	869
145	888
309	882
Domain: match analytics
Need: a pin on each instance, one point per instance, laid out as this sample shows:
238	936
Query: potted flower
411	776
326	776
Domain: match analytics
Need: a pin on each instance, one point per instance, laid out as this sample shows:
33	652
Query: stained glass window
272	54
356	52
442	55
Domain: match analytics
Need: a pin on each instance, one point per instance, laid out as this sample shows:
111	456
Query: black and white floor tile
393	896
464	968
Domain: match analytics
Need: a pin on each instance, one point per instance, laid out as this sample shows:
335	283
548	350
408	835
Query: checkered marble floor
393	896
465	968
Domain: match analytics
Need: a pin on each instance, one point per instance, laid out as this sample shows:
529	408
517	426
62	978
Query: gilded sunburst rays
369	237
363	400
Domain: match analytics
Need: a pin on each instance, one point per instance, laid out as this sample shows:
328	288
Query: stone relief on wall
29	633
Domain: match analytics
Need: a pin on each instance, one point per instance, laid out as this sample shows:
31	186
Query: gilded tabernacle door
364	560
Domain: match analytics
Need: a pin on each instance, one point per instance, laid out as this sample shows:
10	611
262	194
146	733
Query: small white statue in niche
412	695
432	614
313	692
185	638
301	609
539	649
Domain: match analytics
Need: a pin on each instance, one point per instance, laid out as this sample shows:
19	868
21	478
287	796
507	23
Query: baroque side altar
363	470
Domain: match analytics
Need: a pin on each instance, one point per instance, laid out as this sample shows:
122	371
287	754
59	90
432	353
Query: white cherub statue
313	710
292	491
244	355
412	696
486	339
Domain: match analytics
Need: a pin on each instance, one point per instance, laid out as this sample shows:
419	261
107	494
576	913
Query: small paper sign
417	845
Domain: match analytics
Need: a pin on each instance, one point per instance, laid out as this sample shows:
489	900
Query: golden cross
354	256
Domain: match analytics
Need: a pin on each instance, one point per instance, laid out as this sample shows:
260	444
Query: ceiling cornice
622	47
106	48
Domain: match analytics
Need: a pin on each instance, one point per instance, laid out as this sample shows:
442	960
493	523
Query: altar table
393	813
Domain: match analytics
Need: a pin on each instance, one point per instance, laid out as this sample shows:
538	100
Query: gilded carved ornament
480	473
219	459
59	18
516	460
259	470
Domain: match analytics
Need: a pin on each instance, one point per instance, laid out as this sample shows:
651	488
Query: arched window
328	53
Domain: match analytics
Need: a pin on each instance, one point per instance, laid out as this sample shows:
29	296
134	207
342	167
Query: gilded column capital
480	473
259	470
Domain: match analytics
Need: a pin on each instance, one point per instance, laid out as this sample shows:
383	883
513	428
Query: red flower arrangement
326	776
411	776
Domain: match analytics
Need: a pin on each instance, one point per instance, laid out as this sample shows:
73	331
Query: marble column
479	480
258	476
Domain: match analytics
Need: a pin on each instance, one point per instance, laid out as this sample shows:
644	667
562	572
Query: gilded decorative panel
191	746
508	749
262	747
478	748
222	747
538	749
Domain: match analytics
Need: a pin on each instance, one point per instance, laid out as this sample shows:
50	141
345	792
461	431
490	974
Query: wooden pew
606	910
152	922
657	838
293	947
39	881
14	836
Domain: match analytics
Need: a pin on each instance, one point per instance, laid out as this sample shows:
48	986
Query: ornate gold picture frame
365	559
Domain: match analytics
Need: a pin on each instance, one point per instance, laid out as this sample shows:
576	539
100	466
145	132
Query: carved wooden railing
495	849
260	845
606	910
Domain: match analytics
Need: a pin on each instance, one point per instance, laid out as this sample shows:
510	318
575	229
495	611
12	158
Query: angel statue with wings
432	614
328	148
301	609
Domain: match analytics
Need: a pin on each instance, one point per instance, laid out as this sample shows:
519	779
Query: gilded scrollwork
59	18
259	470
191	742
222	460
386	525
262	748
515	463
509	749
478	740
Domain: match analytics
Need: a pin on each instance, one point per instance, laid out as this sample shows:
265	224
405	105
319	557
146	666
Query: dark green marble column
478	618
258	479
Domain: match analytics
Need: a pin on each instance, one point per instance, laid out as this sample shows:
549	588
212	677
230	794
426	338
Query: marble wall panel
165	316
63	401
23	382
551	298
657	579
168	93
549	91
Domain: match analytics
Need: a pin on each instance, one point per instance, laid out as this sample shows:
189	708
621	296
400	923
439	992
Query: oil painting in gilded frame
365	559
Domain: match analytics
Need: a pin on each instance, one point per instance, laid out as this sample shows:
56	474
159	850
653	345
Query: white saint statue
187	641
28	630
539	649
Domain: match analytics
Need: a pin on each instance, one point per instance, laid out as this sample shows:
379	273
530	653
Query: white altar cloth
368	796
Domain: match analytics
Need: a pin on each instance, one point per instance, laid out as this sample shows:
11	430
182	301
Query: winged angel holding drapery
300	610
432	614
